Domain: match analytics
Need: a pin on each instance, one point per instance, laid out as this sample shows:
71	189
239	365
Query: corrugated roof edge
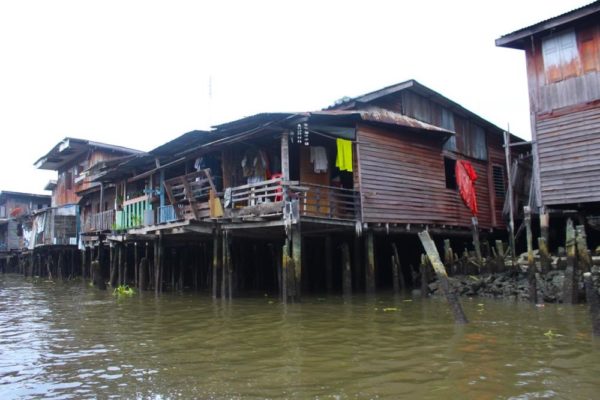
414	84
513	40
91	143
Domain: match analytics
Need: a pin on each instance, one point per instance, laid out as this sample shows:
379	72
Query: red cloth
465	179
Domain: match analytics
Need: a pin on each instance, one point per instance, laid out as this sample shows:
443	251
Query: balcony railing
252	194
99	222
329	202
136	212
170	213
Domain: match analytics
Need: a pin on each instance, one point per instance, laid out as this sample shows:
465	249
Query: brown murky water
72	341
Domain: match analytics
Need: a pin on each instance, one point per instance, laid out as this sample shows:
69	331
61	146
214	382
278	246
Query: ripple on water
71	341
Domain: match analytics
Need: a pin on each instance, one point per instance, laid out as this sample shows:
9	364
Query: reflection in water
72	341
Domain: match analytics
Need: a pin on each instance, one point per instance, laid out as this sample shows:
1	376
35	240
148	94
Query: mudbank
514	285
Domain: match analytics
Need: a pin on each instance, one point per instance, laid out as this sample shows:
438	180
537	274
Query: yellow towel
344	155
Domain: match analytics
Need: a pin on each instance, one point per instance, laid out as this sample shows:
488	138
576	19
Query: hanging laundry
344	155
465	179
318	157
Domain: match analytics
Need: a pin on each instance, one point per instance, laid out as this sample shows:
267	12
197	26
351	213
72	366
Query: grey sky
136	73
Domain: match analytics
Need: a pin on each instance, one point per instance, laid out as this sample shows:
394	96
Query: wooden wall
402	180
569	154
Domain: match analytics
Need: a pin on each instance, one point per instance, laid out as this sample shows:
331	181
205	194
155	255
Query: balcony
100	222
328	202
136	212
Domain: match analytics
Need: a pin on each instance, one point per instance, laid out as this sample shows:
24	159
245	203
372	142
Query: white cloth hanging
318	156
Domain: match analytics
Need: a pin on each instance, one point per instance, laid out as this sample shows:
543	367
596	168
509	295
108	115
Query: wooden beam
370	263
440	271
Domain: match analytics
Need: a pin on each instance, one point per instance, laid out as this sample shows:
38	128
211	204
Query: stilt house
563	71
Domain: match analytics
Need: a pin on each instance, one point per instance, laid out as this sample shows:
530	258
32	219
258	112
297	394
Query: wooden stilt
570	294
230	265
113	270
476	243
545	225
143	274
215	264
395	270
329	264
400	280
346	271
225	268
594	302
370	264
297	257
156	262
121	269
285	271
357	261
545	259
161	264
83	263
500	255
583	255
136	265
98	276
440	271
424	272
60	265
531	267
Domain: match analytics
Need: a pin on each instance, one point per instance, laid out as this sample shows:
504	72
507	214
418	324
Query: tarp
465	179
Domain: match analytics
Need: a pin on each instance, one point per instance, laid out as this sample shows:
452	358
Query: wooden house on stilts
300	202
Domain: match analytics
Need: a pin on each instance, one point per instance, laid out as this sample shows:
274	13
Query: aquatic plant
123	290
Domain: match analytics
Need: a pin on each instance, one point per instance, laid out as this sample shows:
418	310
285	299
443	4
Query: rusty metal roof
383	116
516	39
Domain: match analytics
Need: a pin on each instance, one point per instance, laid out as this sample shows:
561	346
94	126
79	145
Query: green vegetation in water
123	290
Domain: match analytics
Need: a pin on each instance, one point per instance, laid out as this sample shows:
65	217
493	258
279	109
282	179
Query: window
450	169
561	58
68	180
498	179
2	211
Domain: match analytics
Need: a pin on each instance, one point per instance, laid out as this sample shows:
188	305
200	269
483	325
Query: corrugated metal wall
569	153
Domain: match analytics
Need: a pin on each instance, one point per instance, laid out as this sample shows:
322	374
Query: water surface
67	340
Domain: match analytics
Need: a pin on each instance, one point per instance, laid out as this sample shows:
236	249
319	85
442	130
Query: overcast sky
137	73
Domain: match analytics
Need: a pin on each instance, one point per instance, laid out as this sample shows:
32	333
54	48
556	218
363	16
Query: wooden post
509	193
329	264
440	271
545	225
226	267
285	156
476	243
113	271
83	263
98	276
584	258
424	270
143	274
370	264
448	256
161	267
297	261
399	279
500	256
156	266
592	299
60	265
545	259
570	294
135	264
285	266
347	271
121	271
531	267
215	264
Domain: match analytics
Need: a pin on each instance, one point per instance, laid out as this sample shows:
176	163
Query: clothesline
329	136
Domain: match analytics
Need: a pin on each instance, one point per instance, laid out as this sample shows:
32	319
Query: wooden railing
102	221
136	212
252	194
329	202
170	213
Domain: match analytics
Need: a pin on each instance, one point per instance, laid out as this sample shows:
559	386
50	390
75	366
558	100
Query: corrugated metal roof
515	39
70	148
